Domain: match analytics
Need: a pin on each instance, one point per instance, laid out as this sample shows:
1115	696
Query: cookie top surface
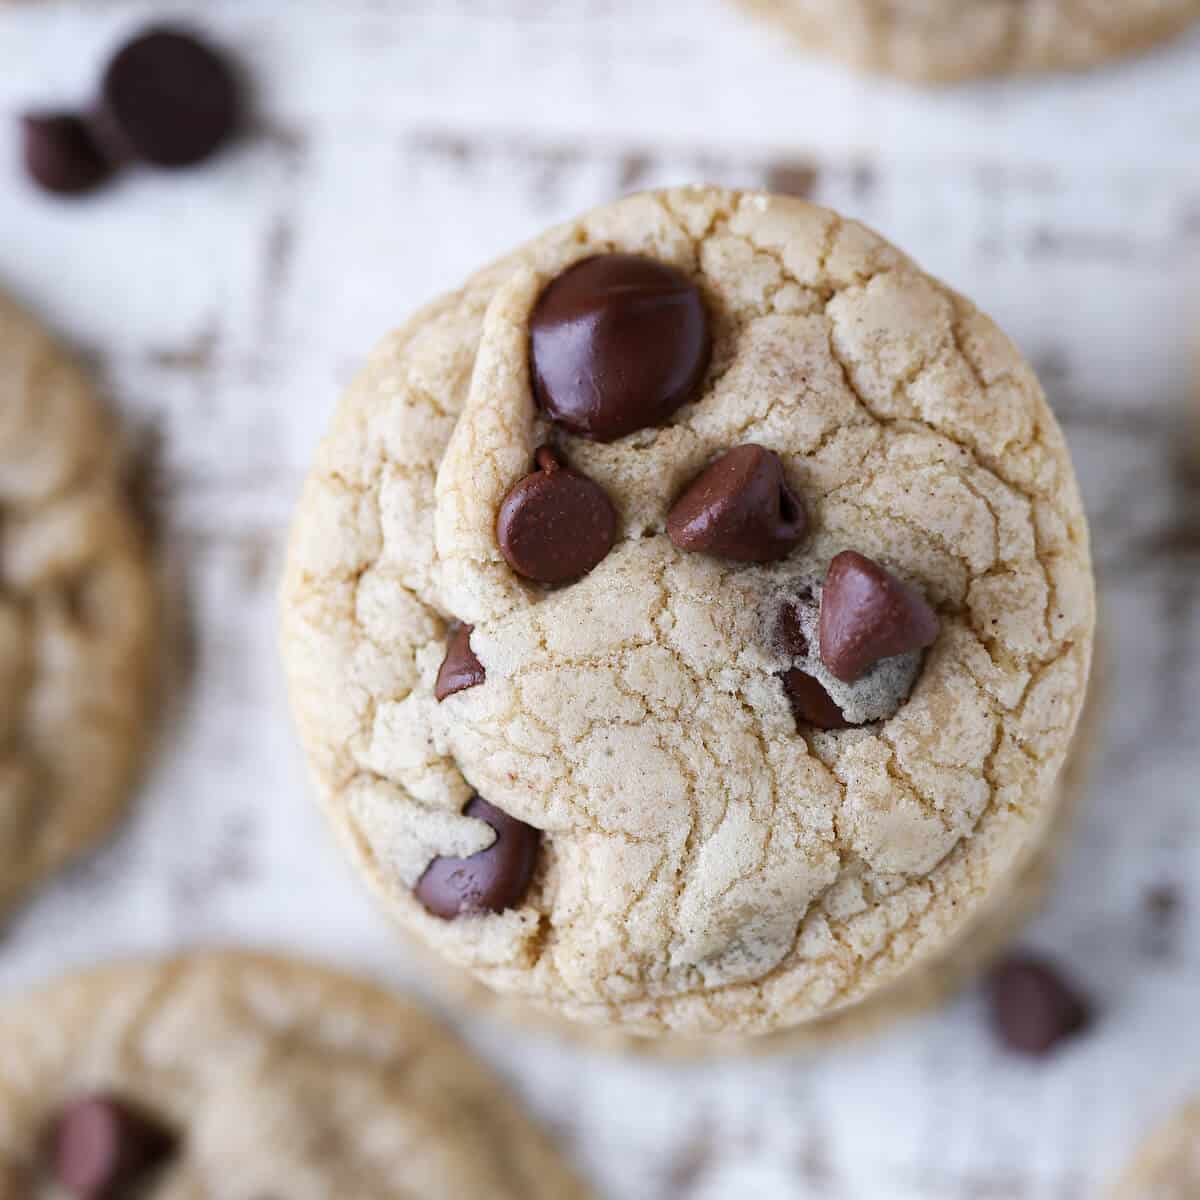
77	613
706	864
264	1077
1167	1167
932	41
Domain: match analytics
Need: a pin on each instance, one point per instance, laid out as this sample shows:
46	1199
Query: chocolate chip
789	632
741	508
811	703
556	524
460	668
1034	1007
168	99
61	155
868	614
492	880
101	1146
618	343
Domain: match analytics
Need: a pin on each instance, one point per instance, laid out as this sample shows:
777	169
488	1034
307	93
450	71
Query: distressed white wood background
399	143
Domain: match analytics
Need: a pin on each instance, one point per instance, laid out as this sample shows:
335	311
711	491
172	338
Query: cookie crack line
628	706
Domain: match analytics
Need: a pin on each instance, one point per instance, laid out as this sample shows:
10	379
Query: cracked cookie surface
975	947
705	868
1167	1167
275	1078
77	614
933	41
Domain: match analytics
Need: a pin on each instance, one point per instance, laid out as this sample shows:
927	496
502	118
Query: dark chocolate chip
493	880
556	524
789	633
460	668
741	508
168	99
61	155
618	343
101	1146
811	703
1034	1007
868	614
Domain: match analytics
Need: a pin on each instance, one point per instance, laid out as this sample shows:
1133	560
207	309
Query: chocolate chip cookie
962	959
938	41
1167	1167
799	706
77	614
244	1077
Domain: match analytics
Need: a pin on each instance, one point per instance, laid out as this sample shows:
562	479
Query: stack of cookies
689	619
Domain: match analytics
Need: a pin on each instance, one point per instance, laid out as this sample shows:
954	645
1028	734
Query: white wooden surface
398	143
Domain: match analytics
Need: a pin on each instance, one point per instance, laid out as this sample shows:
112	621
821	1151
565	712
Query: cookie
668	842
976	947
77	614
1167	1167
941	41
242	1076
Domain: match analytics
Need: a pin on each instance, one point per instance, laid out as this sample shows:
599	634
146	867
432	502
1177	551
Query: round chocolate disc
168	99
618	343
555	525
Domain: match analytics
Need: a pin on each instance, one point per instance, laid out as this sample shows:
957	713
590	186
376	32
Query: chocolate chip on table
618	343
167	99
61	155
741	508
493	880
460	668
1034	1008
868	614
556	524
101	1146
811	703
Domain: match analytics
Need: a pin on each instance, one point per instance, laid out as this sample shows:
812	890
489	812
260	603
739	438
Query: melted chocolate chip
102	1147
618	343
556	524
460	668
789	632
740	508
868	614
61	155
493	880
1034	1007
811	703
167	99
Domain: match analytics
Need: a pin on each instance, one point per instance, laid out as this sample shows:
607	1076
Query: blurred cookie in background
941	41
1167	1167
78	614
243	1077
